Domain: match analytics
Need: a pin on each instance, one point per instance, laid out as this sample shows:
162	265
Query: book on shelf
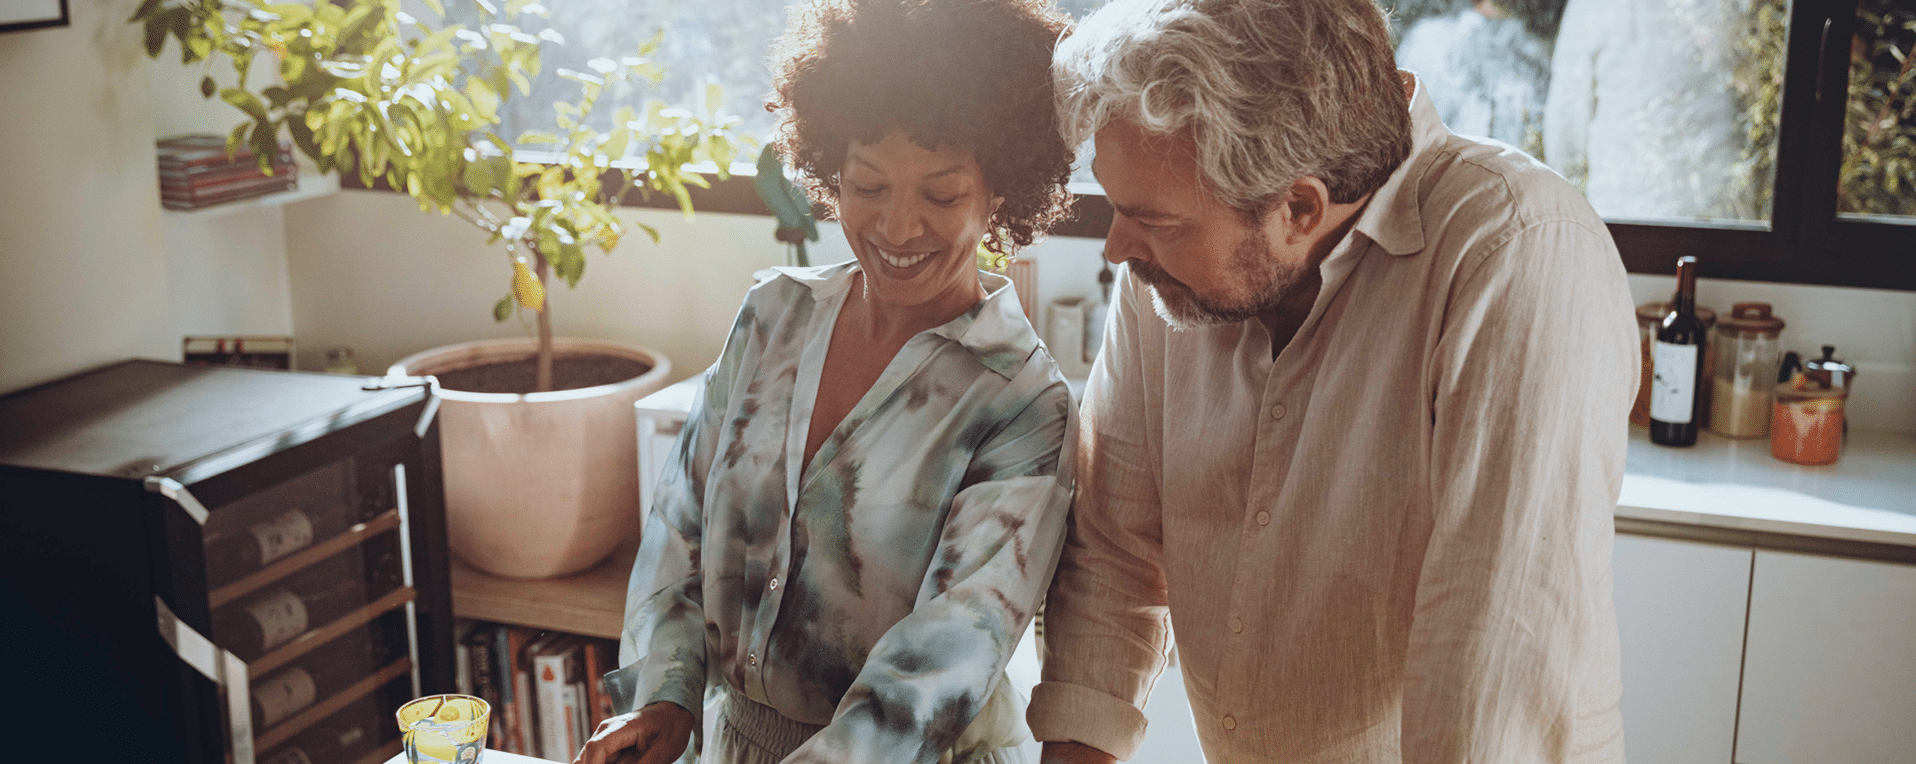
601	656
546	689
204	150
209	177
556	676
195	198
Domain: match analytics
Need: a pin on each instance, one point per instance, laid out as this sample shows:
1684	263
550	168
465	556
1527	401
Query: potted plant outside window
540	480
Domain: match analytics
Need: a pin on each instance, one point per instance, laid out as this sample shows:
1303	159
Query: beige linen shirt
1392	542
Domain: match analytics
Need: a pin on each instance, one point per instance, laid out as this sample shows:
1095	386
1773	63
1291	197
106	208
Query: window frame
1805	242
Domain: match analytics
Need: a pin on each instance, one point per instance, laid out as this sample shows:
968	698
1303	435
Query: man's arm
1107	618
1512	650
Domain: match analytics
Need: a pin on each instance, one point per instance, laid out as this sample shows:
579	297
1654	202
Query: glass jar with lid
1648	315
1747	349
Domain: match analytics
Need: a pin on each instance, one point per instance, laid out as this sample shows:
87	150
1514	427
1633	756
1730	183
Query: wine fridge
214	565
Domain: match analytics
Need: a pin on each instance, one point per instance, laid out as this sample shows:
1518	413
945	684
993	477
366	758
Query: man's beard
1257	283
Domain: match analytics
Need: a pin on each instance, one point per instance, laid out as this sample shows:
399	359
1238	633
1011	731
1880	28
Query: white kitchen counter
1869	495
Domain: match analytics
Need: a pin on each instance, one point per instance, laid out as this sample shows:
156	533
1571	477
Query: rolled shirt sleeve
1107	619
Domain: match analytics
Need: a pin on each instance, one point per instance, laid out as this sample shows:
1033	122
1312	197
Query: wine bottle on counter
307	600
1677	362
319	674
232	554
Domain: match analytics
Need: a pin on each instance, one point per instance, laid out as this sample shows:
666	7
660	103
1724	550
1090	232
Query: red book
601	656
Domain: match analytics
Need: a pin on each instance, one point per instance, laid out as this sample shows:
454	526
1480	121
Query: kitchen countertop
1869	495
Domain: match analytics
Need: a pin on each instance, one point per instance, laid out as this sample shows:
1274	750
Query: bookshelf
590	603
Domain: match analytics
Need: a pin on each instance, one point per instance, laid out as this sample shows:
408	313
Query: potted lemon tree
537	434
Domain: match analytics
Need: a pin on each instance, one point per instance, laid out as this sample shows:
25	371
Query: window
1715	128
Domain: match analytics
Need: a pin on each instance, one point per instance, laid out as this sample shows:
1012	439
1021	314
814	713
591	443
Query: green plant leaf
502	309
208	87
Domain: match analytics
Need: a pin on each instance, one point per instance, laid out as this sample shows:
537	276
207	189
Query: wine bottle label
284	693
281	616
283	535
1673	390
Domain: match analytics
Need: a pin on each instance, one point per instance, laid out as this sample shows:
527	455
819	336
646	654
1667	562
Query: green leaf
502	309
265	144
208	87
234	138
156	30
146	10
537	137
244	101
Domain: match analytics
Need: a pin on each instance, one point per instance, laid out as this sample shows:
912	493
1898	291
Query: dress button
1230	722
751	658
774	583
1237	624
1277	411
1263	518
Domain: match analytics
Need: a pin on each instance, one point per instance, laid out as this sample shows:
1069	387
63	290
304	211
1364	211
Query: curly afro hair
975	74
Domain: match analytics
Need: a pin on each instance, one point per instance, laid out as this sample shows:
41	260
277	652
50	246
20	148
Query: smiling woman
866	503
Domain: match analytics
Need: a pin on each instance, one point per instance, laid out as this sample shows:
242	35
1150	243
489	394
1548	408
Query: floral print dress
879	590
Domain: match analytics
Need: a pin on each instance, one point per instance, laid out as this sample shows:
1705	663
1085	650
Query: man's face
1206	262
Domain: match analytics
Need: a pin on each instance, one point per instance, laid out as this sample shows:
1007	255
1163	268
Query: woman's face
914	218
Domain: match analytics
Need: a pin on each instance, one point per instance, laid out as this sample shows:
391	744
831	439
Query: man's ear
1304	209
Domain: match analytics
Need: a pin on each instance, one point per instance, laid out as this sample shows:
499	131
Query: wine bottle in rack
319	674
1677	365
307	600
235	552
334	740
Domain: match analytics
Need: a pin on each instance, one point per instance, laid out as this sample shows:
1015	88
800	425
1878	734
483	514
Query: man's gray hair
1269	91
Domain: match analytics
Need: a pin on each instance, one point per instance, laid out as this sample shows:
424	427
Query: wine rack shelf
305	643
353	536
285	730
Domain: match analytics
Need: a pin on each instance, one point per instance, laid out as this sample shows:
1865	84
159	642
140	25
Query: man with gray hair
1358	425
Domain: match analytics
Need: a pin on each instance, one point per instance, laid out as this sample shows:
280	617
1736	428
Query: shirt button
1237	624
1263	518
1230	722
774	583
1277	411
751	658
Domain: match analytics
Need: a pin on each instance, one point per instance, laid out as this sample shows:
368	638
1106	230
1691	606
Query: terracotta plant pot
538	485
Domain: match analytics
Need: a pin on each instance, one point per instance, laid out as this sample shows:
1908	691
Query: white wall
95	272
83	277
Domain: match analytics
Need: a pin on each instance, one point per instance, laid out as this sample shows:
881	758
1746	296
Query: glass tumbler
444	729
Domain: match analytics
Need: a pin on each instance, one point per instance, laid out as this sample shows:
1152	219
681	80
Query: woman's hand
655	734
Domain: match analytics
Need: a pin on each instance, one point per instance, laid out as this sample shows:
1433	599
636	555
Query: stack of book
545	688
196	172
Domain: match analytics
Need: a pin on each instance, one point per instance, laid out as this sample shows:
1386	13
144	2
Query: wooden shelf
591	603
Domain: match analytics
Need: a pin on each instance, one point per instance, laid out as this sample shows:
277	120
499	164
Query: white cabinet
1830	668
1680	613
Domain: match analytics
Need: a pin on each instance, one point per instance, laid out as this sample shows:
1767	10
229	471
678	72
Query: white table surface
1867	495
489	757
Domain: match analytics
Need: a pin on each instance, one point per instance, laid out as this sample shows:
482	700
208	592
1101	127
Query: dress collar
994	330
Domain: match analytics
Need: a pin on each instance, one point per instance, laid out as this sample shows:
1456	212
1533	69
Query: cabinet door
1830	675
1680	611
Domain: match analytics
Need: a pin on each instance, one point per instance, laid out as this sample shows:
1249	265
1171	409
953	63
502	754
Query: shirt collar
994	330
1393	218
